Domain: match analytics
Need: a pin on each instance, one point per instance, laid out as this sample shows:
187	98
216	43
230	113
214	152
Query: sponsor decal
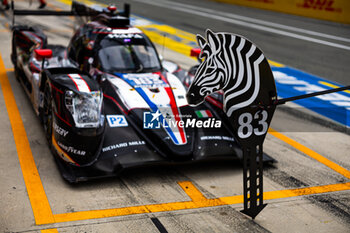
70	149
203	114
117	121
225	138
145	80
263	1
323	5
153	120
125	36
107	30
123	145
60	130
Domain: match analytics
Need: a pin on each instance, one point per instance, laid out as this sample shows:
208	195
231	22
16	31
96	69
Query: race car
107	102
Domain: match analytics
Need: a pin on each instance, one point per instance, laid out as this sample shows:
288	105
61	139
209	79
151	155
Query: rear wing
78	9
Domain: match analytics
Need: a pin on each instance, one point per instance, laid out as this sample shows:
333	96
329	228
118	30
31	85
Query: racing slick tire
14	61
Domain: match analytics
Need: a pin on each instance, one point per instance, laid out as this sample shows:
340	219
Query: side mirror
43	53
195	52
112	8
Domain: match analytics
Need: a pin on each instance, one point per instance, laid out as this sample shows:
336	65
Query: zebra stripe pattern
231	64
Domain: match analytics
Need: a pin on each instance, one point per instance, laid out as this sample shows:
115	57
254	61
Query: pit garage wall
333	10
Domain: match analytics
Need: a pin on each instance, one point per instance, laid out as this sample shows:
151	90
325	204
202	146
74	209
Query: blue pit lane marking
291	82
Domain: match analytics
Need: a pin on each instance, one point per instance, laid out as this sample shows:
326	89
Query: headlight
85	108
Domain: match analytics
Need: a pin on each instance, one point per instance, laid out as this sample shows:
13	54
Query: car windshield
127	53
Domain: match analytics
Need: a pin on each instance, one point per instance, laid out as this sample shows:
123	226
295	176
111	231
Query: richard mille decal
225	138
122	145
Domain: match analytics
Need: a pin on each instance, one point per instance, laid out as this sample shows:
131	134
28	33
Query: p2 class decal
238	67
117	121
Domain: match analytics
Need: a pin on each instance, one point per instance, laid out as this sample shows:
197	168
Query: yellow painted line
311	153
331	85
192	191
69	2
54	7
6	29
188	37
273	63
291	193
10	69
198	201
49	231
156	34
94	214
36	193
306	191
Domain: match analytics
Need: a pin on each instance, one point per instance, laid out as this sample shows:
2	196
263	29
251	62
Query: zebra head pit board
235	65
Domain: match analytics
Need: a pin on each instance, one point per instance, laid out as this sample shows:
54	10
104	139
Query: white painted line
262	22
195	11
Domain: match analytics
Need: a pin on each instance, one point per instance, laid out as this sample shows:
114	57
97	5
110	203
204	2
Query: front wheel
14	59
